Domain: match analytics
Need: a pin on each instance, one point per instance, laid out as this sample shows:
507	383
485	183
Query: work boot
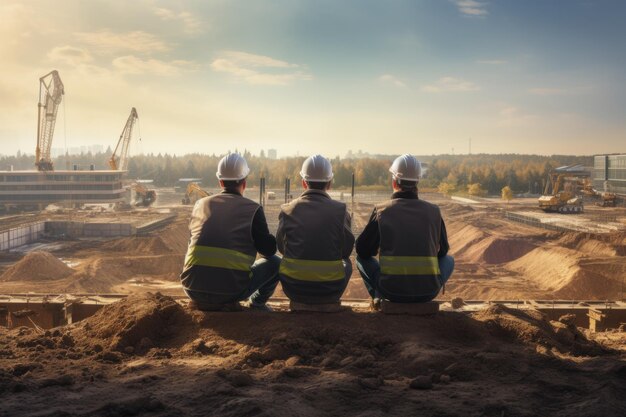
375	304
260	307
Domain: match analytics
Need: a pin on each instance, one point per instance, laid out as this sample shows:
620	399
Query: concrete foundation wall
22	235
81	229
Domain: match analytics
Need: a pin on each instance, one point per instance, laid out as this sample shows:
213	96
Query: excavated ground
496	259
147	355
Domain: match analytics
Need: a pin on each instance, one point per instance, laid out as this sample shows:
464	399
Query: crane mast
123	144
51	92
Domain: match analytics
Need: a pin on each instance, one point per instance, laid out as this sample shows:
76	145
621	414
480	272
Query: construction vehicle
194	193
562	199
51	91
143	196
607	199
121	162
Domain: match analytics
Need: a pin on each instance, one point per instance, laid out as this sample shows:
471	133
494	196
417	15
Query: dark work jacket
314	228
411	233
231	223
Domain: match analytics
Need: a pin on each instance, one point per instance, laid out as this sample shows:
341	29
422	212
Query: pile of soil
99	275
568	274
138	245
147	355
37	266
497	250
132	325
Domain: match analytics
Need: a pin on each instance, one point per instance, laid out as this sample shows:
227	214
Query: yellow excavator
607	199
194	193
143	196
562	199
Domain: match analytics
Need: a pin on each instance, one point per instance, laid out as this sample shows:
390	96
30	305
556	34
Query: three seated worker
314	235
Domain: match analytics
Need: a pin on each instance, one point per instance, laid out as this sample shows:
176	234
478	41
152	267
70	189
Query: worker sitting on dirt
411	236
227	231
315	238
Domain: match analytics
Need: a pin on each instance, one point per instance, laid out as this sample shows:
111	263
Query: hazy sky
418	76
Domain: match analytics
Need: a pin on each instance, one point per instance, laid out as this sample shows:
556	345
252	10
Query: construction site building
609	171
27	188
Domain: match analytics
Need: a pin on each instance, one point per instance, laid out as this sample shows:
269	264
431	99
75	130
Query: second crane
121	162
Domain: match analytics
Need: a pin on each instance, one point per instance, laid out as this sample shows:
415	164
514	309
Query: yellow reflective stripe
306	270
219	258
409	265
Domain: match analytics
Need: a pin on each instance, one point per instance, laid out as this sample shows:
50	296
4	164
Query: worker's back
312	237
410	231
221	248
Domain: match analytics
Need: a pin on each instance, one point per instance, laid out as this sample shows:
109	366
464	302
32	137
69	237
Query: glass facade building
609	173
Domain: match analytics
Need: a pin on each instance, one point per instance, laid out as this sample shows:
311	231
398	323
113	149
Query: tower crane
51	92
123	144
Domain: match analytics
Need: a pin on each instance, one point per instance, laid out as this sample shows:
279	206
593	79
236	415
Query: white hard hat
406	167
232	167
316	168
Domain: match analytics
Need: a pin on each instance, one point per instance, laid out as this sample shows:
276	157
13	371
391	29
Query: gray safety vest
221	250
312	229
410	231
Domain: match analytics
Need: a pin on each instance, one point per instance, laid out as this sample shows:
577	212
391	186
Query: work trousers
263	282
370	272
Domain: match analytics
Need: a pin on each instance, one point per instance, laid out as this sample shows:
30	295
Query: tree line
451	173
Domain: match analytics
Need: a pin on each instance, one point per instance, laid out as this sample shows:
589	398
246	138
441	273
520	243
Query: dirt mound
37	266
497	250
101	274
595	245
133	325
532	328
464	238
549	268
285	364
176	235
569	274
138	245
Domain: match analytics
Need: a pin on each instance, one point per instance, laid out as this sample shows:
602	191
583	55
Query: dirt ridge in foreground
147	355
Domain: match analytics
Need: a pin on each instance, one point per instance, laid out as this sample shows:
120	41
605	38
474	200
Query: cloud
514	116
191	24
110	42
450	84
492	61
259	69
70	55
133	65
472	8
390	79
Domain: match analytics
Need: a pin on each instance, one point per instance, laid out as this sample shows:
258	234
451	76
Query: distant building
272	154
40	188
609	173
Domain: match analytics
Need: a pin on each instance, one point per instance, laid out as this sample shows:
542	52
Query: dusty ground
496	258
147	355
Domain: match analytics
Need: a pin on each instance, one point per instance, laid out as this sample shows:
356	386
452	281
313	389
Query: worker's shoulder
415	202
231	198
428	204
